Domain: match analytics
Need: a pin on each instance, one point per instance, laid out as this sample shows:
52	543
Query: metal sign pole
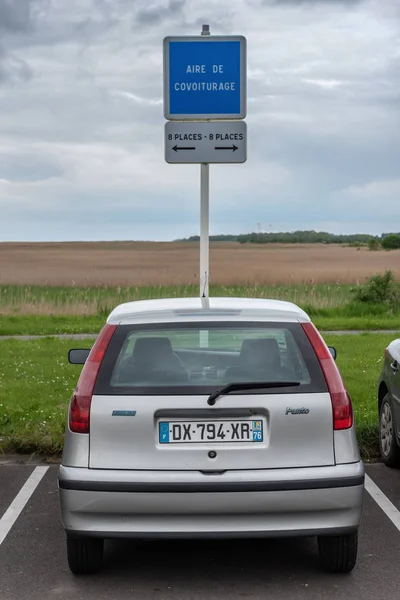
204	229
204	217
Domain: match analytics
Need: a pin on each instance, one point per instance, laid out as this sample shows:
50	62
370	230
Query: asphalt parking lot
33	563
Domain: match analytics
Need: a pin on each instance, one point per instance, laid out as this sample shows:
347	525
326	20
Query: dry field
167	264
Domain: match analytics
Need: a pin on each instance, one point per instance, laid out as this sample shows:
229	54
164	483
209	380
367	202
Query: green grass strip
58	324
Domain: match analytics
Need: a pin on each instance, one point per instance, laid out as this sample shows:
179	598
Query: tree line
298	237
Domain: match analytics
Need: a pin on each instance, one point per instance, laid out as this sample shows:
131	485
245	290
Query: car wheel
338	553
390	451
85	555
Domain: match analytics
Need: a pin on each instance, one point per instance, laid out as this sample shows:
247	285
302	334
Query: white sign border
243	77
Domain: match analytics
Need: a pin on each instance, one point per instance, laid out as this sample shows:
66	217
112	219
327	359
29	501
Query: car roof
207	309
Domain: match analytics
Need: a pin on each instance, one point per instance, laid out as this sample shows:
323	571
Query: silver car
220	418
389	406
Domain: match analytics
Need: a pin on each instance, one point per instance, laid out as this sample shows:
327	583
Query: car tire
85	554
390	450
338	553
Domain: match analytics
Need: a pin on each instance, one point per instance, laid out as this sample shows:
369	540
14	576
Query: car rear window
198	358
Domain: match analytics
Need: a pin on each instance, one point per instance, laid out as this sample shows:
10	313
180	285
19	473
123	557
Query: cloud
375	190
311	2
154	15
15	16
14	70
372	200
138	99
24	167
81	120
324	83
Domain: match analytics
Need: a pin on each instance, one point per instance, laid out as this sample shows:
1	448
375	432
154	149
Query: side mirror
332	350
78	356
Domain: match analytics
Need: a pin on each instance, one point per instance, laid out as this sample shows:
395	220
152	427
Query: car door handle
394	366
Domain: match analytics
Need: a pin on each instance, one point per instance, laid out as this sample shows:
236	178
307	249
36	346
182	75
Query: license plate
203	432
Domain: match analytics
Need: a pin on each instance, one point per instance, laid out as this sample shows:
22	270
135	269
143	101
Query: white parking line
21	499
383	502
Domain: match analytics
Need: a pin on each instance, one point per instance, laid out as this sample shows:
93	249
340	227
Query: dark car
389	406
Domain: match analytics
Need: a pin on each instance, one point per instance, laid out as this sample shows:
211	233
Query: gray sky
81	119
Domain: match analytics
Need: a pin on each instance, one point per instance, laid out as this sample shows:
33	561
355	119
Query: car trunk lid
243	431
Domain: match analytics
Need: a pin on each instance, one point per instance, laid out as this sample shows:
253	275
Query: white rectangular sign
208	142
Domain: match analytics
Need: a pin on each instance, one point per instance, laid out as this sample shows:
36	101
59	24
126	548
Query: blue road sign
205	77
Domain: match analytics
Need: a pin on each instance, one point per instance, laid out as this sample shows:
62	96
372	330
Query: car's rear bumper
234	504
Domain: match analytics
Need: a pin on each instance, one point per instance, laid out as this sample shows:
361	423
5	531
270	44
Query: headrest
260	353
152	349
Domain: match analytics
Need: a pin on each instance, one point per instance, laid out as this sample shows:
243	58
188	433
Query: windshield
193	358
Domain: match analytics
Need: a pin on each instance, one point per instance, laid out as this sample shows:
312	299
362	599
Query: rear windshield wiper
259	385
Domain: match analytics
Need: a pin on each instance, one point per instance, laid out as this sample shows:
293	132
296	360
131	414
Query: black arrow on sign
233	148
176	148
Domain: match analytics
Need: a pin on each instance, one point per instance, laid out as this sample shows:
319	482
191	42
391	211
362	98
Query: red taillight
341	403
79	410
